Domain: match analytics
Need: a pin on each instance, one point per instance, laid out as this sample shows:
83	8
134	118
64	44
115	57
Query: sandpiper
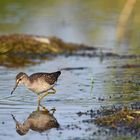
39	83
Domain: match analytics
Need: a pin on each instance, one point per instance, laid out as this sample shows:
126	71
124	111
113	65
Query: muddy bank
20	50
31	44
115	120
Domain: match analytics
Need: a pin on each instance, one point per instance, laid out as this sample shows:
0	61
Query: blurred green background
93	22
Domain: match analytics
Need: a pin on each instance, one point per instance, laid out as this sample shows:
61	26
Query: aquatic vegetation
18	50
115	119
31	44
124	117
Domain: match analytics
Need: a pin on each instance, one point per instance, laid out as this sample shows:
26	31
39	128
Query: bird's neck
24	128
27	82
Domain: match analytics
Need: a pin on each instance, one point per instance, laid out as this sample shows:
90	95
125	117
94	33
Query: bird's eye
19	79
16	126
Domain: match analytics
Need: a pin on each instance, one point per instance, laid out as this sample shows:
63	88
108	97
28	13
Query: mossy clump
18	50
122	118
116	119
29	44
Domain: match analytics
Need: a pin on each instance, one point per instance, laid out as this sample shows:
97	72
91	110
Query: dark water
116	81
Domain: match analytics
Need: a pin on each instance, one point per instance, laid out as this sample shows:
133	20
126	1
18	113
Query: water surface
90	22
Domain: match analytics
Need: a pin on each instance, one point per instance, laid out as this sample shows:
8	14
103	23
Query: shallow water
73	95
91	23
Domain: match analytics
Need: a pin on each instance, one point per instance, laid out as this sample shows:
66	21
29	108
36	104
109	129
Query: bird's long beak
14	118
14	88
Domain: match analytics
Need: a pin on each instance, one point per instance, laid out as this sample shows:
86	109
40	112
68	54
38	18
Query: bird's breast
40	87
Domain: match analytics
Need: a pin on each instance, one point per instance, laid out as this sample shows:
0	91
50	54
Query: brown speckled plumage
50	78
38	83
38	121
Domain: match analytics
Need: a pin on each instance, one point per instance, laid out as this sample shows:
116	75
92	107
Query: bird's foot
44	108
51	92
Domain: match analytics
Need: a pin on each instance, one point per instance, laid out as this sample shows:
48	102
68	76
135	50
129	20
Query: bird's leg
38	108
44	108
54	91
40	98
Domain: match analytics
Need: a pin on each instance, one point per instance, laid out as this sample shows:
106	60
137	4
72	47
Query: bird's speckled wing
50	78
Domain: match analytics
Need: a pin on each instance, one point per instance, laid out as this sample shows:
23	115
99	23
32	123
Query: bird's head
20	79
21	129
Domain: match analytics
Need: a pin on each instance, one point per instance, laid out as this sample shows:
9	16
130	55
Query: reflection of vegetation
20	50
92	85
124	80
14	60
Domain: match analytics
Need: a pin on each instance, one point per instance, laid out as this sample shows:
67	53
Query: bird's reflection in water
40	121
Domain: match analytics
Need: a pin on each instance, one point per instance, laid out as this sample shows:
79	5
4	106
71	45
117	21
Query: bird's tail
57	73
